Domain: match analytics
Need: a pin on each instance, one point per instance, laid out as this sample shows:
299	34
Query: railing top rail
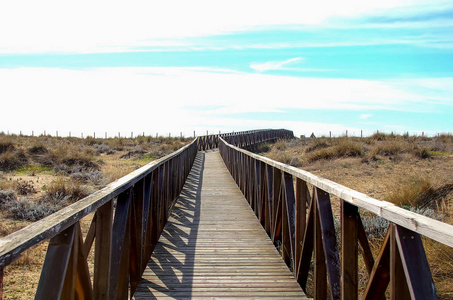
240	132
12	245
436	230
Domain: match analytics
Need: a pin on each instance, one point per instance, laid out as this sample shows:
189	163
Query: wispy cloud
365	116
275	65
157	98
55	26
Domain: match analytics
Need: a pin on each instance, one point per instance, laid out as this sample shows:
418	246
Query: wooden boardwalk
213	246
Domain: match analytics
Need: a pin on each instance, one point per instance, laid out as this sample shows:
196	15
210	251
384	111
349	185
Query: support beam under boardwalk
213	246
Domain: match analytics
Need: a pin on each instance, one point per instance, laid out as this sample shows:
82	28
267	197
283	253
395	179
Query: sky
175	67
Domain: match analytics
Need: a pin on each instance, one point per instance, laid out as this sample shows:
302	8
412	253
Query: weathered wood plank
349	251
214	246
55	266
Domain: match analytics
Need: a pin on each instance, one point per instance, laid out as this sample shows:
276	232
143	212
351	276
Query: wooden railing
243	139
302	224
129	216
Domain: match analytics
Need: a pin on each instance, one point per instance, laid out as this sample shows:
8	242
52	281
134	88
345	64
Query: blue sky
226	65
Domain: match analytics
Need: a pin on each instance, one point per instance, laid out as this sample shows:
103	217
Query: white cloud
28	26
275	65
166	99
365	116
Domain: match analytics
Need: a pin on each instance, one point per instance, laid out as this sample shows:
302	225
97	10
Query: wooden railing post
119	269
349	251
102	252
53	273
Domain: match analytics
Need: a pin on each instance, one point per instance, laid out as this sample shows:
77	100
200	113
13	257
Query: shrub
422	153
6	146
73	156
375	227
61	191
7	196
379	136
345	148
415	192
286	158
262	148
23	209
280	145
316	144
12	159
25	187
348	148
388	148
95	177
38	149
102	148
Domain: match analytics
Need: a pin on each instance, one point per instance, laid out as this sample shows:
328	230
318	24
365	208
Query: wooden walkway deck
213	245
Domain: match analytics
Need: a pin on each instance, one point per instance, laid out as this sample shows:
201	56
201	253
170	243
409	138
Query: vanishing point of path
213	246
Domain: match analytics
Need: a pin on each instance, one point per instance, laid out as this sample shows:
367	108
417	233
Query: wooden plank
83	288
136	235
349	251
319	259
88	243
55	265
69	285
307	249
380	275
290	204
276	200
329	242
301	220
213	245
363	241
416	267
102	251
398	284
119	239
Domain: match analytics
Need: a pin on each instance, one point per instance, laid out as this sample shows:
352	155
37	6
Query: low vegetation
412	172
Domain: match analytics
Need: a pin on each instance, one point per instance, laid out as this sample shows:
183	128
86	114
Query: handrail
243	139
303	223
125	235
